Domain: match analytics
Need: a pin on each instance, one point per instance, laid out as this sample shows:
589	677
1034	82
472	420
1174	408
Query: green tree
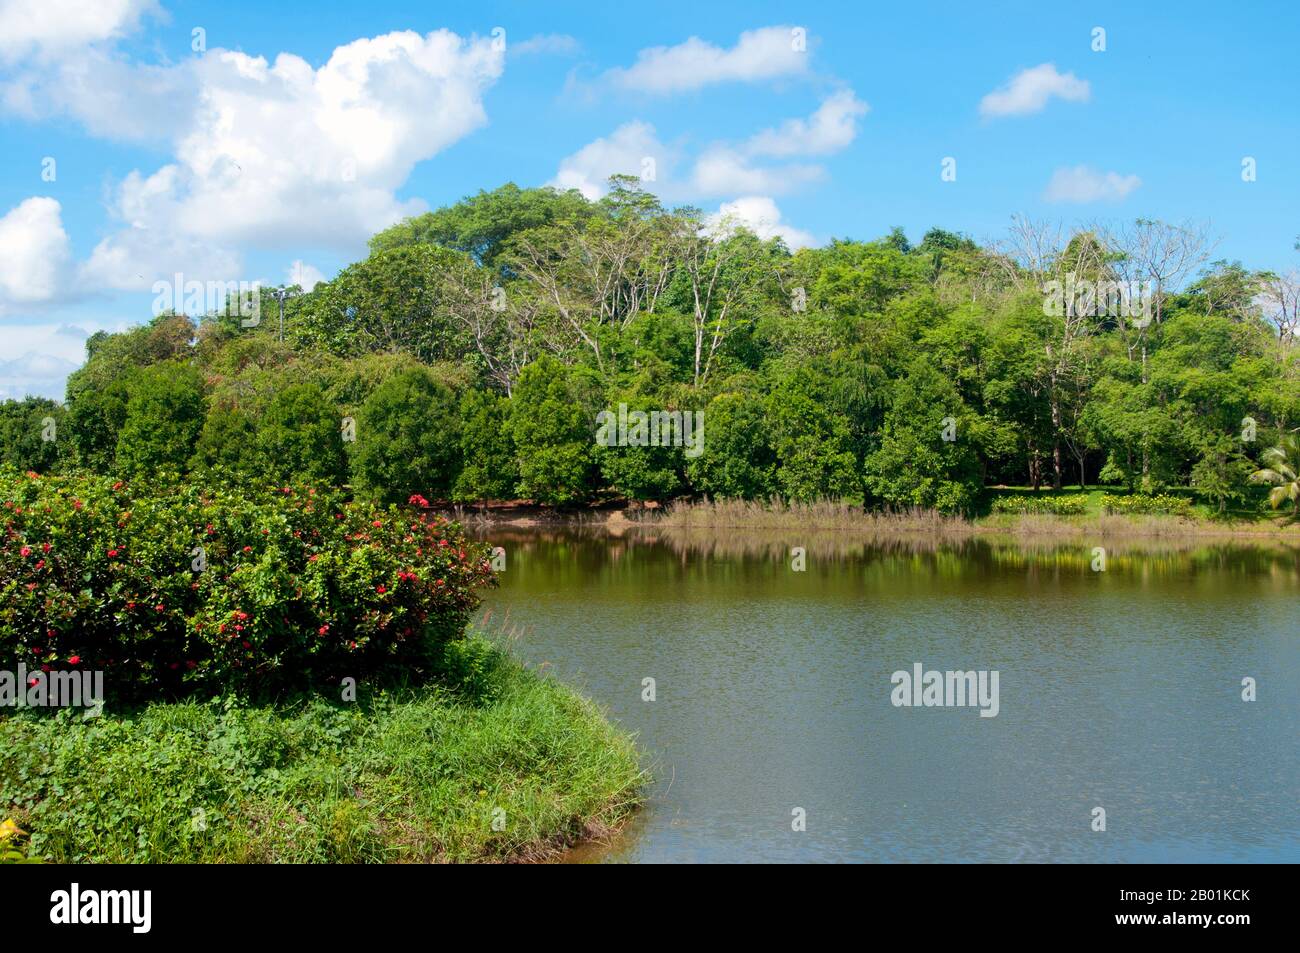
1281	471
164	414
228	441
554	431
408	439
490	471
737	460
299	438
915	464
33	434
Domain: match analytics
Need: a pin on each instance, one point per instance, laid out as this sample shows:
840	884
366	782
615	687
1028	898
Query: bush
212	590
1144	504
1074	504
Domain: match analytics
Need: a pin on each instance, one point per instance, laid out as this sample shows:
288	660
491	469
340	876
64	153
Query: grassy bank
494	763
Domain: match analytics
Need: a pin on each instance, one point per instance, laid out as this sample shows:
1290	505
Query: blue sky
228	164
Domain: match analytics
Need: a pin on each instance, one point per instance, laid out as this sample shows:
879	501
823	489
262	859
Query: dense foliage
213	588
471	352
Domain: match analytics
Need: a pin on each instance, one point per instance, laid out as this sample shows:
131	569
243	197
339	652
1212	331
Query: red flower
160	607
117	485
376	523
40	564
323	630
46	547
248	549
247	644
112	553
190	663
25	551
74	659
37	650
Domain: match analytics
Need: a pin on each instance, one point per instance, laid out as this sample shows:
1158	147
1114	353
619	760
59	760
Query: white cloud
721	168
724	171
758	213
1030	89
549	44
273	154
831	128
623	152
34	254
760	54
303	275
1082	184
40	375
44	28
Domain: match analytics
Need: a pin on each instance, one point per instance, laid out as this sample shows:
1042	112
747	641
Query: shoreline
837	518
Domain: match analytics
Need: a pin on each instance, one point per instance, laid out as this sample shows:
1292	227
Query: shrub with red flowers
210	589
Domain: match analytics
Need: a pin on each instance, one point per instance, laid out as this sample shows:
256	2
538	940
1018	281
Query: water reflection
1119	689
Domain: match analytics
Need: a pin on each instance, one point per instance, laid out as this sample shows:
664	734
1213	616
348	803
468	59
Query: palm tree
1283	462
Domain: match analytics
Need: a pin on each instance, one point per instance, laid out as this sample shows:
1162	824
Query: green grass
412	776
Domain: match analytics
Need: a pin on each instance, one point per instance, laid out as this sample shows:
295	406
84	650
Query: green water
1119	689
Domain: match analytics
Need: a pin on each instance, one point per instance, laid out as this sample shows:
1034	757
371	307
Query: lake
772	701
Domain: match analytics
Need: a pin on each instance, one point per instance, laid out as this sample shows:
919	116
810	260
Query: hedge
1074	504
1141	504
209	590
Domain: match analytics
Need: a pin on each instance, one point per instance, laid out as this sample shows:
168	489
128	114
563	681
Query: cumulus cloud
623	152
1082	184
38	375
760	214
724	171
303	275
1030	90
273	153
830	129
766	53
720	168
45	28
34	254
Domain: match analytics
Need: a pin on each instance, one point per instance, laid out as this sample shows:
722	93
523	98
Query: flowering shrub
208	589
1072	505
1141	503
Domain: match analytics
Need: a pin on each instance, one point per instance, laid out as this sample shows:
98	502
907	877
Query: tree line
474	347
